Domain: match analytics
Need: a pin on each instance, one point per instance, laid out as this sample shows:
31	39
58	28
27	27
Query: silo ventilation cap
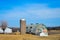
23	19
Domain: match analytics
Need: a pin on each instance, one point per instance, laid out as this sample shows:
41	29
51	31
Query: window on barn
31	27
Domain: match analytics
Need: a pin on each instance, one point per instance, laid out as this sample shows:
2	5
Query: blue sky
34	11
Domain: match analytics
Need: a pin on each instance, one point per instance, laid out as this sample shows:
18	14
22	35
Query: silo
22	26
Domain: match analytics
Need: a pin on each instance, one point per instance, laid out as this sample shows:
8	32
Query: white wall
1	31
7	30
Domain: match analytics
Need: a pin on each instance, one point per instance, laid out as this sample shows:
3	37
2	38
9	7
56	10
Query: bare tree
4	25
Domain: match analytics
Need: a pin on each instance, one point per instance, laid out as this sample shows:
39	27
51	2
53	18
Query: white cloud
33	11
30	12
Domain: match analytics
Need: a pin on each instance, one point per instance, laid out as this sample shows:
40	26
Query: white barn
1	31
7	30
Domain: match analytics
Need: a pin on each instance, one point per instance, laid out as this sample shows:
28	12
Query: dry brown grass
28	37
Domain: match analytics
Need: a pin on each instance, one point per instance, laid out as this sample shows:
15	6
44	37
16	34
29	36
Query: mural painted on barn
38	29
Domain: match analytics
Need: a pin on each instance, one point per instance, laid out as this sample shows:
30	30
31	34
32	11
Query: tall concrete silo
23	26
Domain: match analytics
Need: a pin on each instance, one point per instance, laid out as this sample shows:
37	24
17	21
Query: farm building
38	29
4	28
7	30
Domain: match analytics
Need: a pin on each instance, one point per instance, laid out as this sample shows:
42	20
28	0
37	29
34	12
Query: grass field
28	37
